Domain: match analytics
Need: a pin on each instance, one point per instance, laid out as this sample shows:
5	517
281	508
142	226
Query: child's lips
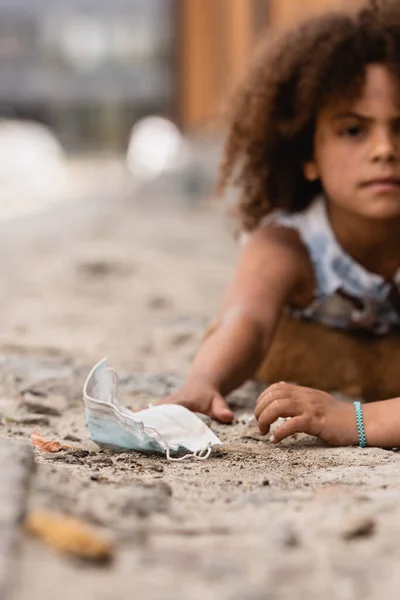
382	183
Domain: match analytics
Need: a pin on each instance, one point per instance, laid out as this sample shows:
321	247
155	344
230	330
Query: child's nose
384	147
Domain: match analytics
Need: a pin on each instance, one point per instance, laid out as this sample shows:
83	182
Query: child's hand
311	411
198	395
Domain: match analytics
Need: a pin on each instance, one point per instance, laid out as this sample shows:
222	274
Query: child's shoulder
273	235
287	229
275	263
299	231
276	243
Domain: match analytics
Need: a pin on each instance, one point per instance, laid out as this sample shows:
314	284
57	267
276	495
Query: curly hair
272	117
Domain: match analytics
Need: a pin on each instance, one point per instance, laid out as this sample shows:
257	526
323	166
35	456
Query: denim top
347	296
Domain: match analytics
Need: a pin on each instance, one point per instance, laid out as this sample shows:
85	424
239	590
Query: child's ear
310	171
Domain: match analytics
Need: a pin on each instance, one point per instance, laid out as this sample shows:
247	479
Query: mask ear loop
114	378
202	454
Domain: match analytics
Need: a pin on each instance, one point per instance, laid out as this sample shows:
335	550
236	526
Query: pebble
71	438
285	536
80	453
156	468
41	409
359	527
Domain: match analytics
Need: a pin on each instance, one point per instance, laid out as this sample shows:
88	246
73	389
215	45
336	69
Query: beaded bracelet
360	425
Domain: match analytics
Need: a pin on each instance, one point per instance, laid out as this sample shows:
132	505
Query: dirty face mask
168	428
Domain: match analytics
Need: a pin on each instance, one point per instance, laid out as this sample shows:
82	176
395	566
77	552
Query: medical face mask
166	428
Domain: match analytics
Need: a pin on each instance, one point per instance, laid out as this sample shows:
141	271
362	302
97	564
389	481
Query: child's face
357	149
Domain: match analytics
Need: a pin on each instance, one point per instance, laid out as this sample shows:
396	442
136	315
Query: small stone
180	339
102	268
96	477
121	459
71	460
38	408
359	527
285	536
156	468
266	482
79	453
71	438
159	302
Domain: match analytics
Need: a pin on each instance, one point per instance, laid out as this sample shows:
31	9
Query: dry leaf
46	446
69	535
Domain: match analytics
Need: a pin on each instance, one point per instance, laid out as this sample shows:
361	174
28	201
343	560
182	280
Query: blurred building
218	38
87	68
91	68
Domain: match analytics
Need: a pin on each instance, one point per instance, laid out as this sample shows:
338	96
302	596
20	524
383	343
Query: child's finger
280	408
275	387
273	393
220	410
294	425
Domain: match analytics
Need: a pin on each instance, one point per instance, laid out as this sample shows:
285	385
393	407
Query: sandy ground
137	280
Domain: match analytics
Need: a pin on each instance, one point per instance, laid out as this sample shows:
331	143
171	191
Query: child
314	146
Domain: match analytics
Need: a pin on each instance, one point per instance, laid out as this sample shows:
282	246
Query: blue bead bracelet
360	425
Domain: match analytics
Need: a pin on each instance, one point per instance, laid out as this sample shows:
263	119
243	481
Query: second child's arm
273	270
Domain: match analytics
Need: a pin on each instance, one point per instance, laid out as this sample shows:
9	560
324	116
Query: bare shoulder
277	258
281	242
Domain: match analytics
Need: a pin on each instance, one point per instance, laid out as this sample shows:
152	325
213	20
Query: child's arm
273	269
332	420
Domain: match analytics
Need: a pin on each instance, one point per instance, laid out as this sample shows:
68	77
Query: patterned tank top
347	296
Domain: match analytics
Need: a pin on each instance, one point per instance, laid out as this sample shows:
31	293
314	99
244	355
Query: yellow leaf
69	535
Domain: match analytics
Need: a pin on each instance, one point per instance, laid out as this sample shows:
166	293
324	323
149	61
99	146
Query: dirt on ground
137	280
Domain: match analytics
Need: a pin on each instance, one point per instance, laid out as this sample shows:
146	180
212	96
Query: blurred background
87	71
109	146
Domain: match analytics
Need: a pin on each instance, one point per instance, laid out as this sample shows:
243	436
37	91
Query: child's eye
352	131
